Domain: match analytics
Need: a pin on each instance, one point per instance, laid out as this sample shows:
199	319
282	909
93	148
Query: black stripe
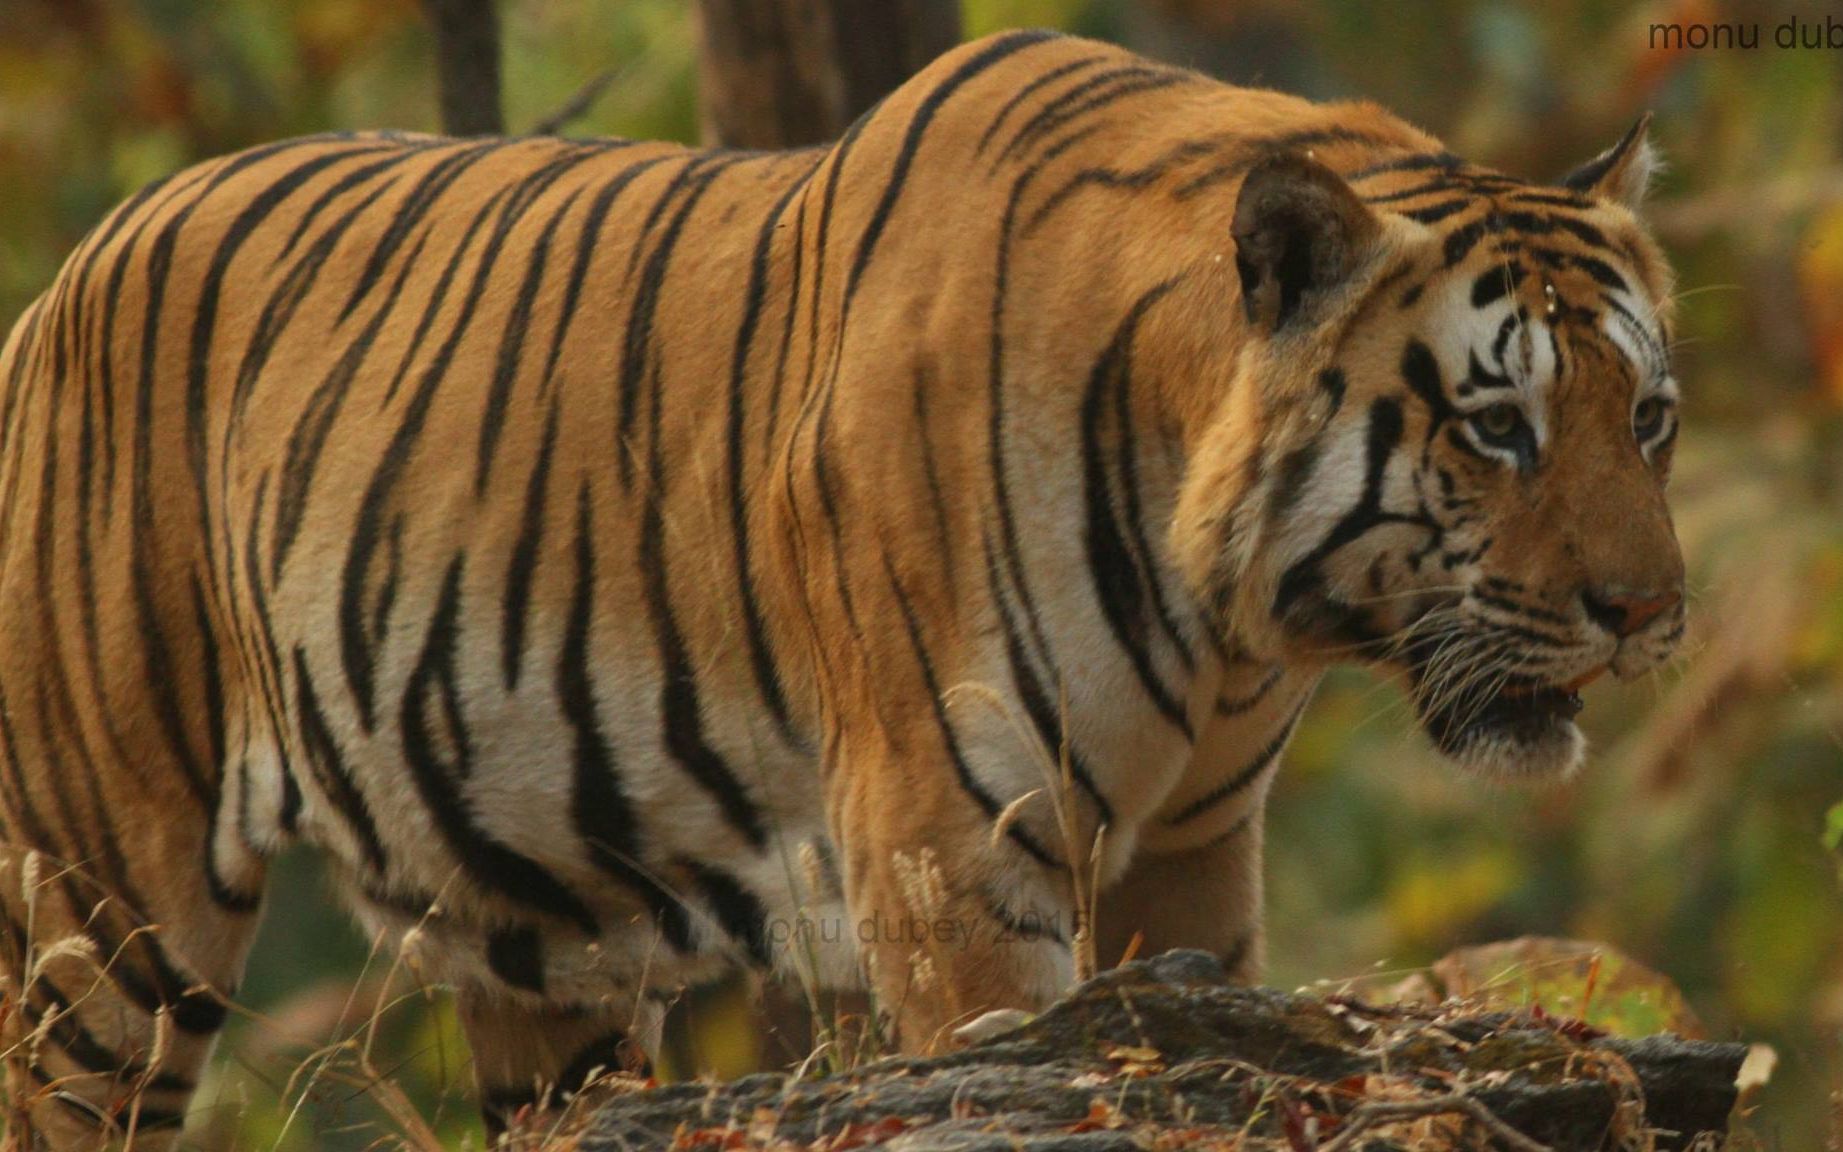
289	817
1460	241
160	665
761	659
400	154
599	806
1026	92
1245	704
995	394
1418	162
417	203
518	200
194	1007
1097	92
1234	785
517	599
937	492
267	662
98	1117
1434	213
408	904
962	771
1382	438
1518	608
280	308
1657	360
829	510
1256	150
488	862
695	162
1241	825
1291	478
516	956
1603	273
78	1043
1415	191
1422	372
205	312
1458	439
1119	582
211	670
1137	539
771	424
99	241
587	244
432	714
1580	229
1493	284
1026	927
678	691
512	344
808	391
738	911
1553	198
1131	180
637	353
106	356
328	765
25	345
359	637
994	52
1044	715
310	433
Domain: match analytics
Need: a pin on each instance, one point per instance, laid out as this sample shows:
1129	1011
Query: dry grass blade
1367	1116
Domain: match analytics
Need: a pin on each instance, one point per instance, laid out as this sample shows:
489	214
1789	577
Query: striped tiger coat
626	562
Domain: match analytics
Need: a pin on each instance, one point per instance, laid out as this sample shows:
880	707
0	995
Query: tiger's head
1466	419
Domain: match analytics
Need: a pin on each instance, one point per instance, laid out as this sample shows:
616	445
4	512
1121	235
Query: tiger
901	561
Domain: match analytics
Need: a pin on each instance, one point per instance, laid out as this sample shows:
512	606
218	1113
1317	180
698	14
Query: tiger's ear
1623	172
1299	231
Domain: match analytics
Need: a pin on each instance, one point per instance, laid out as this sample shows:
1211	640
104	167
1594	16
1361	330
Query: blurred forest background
1704	837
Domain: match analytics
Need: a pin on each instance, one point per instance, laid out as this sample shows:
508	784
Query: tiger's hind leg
126	912
531	1060
116	960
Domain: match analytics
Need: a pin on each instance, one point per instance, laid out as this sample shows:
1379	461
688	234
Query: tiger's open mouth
1522	728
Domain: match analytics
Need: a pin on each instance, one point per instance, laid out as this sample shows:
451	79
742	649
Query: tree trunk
467	65
784	73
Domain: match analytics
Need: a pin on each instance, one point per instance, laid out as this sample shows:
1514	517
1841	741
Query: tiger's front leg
951	919
1207	896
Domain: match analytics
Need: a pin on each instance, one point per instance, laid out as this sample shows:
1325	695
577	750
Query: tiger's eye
1648	417
1498	421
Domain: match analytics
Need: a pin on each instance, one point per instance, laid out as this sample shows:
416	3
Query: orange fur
613	556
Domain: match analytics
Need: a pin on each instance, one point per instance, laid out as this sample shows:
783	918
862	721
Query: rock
1167	1053
1579	978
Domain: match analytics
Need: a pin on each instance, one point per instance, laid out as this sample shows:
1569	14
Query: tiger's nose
1623	613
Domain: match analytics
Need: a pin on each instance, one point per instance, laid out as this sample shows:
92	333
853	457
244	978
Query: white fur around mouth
1524	731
